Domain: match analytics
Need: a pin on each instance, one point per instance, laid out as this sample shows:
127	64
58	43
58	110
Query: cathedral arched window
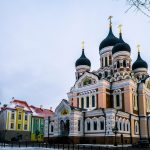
52	128
118	64
135	102
79	125
87	102
88	126
127	126
106	74
82	102
117	97
117	100
136	127
95	125
77	102
102	62
102	125
110	60
93	100
106	61
124	63
124	126
100	75
120	126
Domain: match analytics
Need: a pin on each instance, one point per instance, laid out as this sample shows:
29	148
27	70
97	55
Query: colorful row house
21	122
37	127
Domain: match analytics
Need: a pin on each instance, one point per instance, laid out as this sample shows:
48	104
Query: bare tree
140	5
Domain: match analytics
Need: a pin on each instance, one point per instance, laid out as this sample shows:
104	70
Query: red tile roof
41	111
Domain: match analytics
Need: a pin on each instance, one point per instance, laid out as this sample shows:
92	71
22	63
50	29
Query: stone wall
8	135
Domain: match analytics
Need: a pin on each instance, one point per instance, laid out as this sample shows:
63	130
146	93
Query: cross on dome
138	47
82	44
110	22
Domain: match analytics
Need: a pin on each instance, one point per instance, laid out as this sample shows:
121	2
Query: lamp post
115	131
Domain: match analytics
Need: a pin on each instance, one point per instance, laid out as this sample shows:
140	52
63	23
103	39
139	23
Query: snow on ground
25	148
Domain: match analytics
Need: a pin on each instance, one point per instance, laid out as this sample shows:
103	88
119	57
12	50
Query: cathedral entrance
64	128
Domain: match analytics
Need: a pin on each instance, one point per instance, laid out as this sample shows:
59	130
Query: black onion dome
83	60
139	63
121	46
110	40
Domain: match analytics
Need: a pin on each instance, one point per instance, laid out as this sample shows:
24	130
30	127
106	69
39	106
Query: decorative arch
88	124
136	127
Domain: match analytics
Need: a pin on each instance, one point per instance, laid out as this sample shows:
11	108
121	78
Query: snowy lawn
25	148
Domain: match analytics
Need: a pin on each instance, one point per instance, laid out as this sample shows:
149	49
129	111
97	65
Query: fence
58	146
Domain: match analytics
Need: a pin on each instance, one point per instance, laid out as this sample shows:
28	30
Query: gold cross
120	28
109	18
82	44
138	47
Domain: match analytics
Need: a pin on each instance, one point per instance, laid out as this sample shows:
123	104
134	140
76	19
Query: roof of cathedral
83	60
121	46
139	63
110	40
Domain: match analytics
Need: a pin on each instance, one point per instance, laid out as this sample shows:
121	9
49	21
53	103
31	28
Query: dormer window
87	81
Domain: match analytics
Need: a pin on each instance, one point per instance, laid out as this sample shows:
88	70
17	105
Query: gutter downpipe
138	109
130	130
103	110
148	126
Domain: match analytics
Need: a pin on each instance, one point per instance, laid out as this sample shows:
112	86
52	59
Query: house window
88	126
95	125
26	117
93	101
79	123
82	102
12	115
101	125
19	116
25	127
12	125
87	102
19	126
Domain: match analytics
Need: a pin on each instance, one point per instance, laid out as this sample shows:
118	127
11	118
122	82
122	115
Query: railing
60	146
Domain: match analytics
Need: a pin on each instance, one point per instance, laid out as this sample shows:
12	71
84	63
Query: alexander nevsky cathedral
107	105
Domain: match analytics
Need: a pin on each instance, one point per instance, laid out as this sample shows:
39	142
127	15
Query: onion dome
83	60
139	63
110	40
121	45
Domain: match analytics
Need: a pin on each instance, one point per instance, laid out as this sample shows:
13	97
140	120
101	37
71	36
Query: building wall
37	128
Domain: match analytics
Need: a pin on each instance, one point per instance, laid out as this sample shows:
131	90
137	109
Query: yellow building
15	121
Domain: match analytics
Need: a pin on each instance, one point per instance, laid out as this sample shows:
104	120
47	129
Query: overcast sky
40	40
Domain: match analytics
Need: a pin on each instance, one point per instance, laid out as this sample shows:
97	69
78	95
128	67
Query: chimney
50	108
41	106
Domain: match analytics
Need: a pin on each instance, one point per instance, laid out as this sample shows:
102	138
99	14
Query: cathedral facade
107	105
